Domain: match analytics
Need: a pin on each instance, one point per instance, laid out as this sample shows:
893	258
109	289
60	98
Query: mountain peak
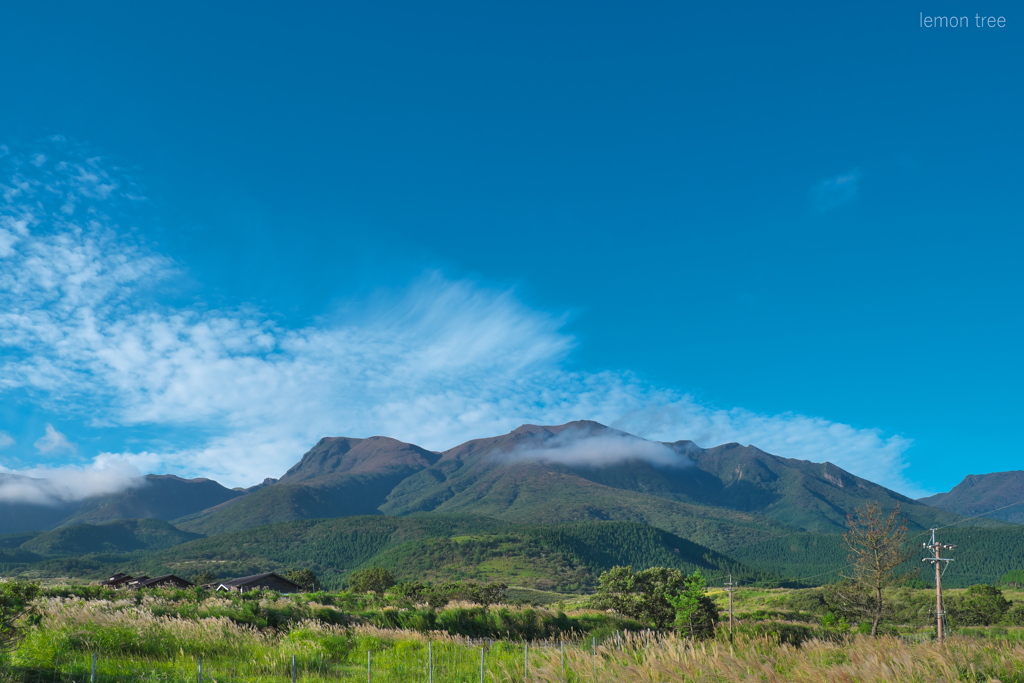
339	455
992	495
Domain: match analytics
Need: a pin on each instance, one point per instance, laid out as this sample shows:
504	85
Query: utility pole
937	562
730	587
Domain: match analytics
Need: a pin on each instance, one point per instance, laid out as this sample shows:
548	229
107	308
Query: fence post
561	650
92	674
294	671
369	666
430	661
594	645
200	671
526	660
481	665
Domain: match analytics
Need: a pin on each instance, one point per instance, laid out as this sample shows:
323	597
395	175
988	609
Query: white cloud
584	447
6	440
55	485
444	363
832	193
54	442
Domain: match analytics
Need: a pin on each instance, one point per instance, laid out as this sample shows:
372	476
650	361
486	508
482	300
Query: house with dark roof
165	581
118	580
268	581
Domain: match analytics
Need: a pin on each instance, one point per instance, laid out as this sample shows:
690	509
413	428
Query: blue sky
230	229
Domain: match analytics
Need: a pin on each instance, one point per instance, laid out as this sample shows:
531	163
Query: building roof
166	578
117	579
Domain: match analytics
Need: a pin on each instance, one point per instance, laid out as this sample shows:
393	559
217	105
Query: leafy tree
441	594
877	545
490	593
203	578
305	578
696	613
17	600
979	605
1013	578
409	591
372	580
643	595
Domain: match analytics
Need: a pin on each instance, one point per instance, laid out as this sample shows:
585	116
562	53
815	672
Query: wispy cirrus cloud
85	332
831	193
6	440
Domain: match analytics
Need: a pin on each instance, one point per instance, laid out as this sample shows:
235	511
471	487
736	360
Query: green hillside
565	557
982	555
120	536
353	495
530	493
16	540
329	547
441	547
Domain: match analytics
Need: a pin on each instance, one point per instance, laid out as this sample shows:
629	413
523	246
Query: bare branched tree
877	545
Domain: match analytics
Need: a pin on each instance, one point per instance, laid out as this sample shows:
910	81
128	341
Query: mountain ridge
722	496
997	495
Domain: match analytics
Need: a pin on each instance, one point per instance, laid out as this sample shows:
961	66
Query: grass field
190	636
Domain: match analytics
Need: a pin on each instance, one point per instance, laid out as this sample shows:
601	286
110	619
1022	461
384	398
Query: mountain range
499	500
554	474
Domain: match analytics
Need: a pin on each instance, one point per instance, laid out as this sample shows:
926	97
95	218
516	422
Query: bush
1014	616
372	580
17	599
980	605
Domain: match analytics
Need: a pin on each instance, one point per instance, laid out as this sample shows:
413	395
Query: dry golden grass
650	659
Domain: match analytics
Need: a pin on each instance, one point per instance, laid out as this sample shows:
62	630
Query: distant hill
123	535
154	496
978	494
20	512
163	496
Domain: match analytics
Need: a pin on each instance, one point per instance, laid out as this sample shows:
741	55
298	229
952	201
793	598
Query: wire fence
469	661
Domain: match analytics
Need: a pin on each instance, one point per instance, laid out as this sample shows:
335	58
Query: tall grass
644	659
146	638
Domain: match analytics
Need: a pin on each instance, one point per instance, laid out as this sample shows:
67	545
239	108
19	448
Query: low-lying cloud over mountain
87	333
581	446
58	485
